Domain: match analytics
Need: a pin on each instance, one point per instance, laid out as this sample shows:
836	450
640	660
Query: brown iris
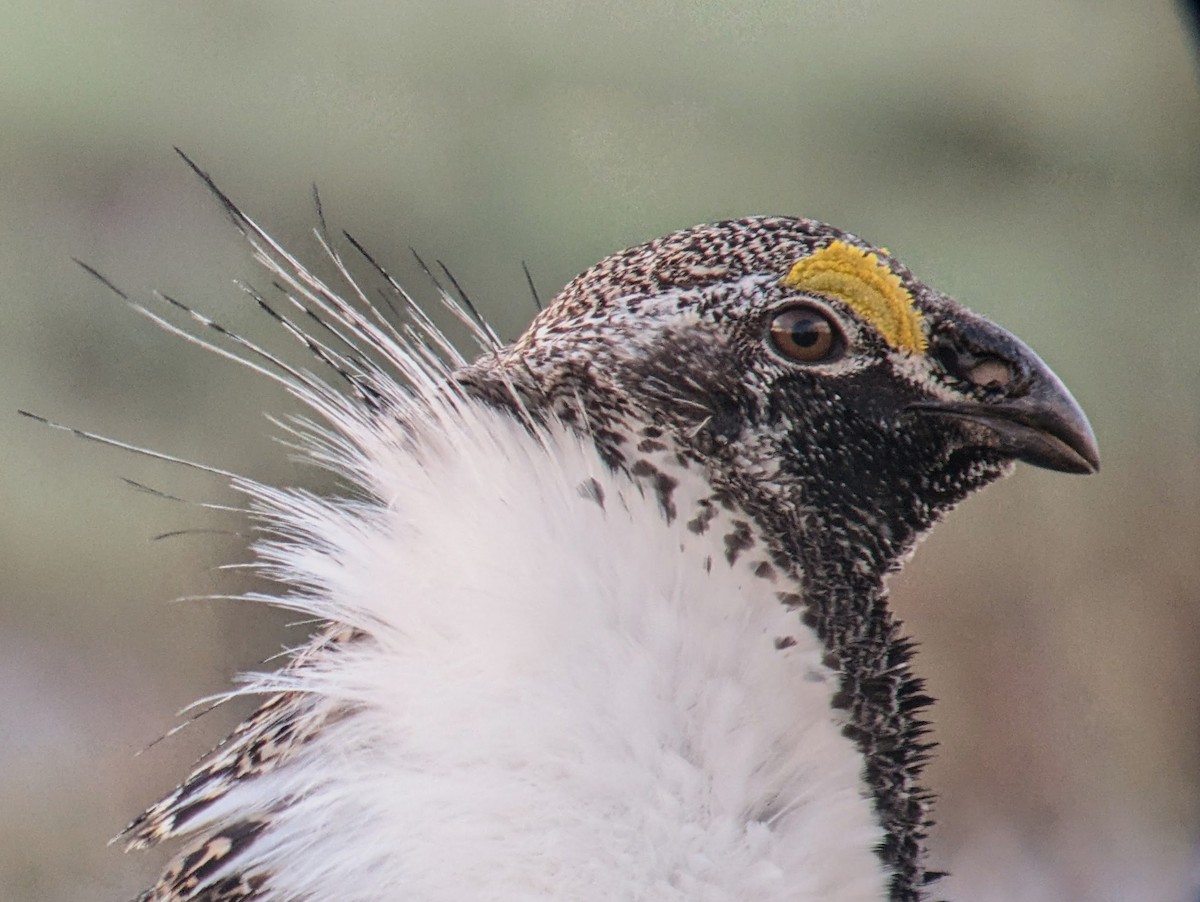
806	335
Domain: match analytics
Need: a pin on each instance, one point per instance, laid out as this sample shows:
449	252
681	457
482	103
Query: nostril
980	370
990	373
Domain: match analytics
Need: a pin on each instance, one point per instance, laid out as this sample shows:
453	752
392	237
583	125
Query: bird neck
724	700
831	566
819	580
614	657
848	611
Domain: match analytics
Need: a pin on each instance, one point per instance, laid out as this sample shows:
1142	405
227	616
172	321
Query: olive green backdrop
1038	159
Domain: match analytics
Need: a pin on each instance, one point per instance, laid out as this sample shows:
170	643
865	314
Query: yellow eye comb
864	283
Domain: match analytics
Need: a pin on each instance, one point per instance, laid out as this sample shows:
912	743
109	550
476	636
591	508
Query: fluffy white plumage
557	699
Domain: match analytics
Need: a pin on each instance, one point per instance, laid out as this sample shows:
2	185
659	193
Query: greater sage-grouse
606	610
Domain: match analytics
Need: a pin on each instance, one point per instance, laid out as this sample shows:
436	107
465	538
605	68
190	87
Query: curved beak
1039	422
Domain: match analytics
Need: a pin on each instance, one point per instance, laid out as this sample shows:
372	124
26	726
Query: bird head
811	374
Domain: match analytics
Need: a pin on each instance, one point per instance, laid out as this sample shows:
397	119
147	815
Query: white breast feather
556	699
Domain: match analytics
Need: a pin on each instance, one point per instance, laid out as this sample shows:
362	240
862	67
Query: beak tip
1089	462
1065	422
1091	455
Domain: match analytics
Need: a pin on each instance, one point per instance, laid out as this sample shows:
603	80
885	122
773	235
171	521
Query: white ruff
555	701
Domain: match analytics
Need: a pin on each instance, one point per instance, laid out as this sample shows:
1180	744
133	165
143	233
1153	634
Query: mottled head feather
867	286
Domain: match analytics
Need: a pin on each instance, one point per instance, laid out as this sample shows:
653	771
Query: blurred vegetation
1038	160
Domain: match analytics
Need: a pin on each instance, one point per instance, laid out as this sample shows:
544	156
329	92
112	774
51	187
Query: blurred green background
1038	159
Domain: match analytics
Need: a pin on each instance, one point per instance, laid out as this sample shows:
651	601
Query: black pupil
806	332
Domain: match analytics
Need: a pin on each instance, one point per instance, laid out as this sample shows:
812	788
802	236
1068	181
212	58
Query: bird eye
806	335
